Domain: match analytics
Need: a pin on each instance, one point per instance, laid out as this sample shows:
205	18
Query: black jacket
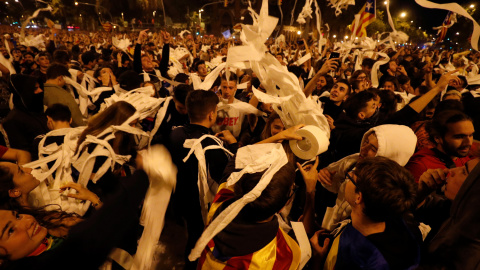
348	133
26	120
89	242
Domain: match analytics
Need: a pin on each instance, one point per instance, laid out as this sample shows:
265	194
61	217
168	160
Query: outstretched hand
142	36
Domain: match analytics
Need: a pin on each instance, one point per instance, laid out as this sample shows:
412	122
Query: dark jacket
457	244
26	120
348	133
186	199
89	242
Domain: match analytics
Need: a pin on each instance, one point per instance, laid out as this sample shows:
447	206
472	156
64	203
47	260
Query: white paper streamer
306	12
84	161
47	193
303	59
295	110
204	182
338	5
375	68
398	36
140	98
183	33
121	44
251	159
456	8
23	41
162	181
318	16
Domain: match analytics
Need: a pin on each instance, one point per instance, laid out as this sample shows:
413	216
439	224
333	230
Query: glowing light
472	6
334	36
76	3
299	32
346	37
403	14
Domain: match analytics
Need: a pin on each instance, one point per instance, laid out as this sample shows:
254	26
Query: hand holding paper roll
315	141
288	134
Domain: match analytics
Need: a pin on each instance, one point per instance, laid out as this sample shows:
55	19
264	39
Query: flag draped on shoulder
365	17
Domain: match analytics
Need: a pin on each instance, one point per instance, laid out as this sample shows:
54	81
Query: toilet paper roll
315	142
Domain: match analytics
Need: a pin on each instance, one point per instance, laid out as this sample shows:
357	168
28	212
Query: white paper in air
162	182
456	8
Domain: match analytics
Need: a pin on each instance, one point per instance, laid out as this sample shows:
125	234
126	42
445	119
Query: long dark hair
116	114
50	219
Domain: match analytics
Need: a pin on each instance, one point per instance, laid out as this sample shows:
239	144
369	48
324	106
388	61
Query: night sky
429	18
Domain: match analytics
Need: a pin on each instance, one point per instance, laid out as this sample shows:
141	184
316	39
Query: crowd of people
396	188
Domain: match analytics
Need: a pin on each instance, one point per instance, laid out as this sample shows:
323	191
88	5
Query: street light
201	10
96	8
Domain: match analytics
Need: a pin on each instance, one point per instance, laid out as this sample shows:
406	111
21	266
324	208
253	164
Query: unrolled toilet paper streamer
456	8
315	141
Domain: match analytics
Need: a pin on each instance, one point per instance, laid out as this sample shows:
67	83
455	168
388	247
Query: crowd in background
396	188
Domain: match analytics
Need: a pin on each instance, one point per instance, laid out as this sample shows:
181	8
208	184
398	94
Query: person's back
26	120
54	92
253	238
202	111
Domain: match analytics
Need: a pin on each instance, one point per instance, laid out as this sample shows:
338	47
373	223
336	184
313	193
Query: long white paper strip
454	7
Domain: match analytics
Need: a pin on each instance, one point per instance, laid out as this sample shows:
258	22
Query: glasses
349	178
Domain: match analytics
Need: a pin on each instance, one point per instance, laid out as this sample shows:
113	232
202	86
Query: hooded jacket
396	142
26	120
348	132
